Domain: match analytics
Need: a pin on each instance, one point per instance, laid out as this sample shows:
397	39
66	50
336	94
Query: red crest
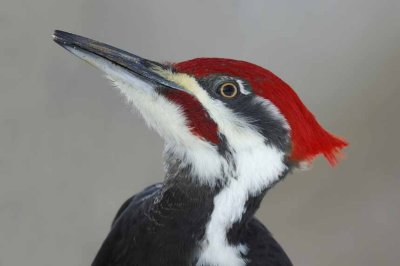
309	139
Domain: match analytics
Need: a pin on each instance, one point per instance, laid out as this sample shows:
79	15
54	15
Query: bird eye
228	90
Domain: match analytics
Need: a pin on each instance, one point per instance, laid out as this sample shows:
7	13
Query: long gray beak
145	69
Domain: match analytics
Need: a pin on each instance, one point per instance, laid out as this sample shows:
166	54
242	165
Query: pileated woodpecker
232	130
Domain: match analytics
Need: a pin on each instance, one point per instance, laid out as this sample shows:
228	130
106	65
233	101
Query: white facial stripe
228	122
242	88
257	168
169	121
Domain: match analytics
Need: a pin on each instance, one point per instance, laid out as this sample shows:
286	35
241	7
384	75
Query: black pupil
229	90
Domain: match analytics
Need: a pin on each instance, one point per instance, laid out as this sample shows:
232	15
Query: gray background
71	151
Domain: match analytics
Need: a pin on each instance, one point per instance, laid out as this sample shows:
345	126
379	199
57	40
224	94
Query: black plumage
164	224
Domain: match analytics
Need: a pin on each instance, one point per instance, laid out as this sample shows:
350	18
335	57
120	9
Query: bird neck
230	199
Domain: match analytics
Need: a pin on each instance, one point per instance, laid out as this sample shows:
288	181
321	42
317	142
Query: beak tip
64	38
57	37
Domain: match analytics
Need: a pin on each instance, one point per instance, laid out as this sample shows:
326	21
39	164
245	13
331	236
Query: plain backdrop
71	150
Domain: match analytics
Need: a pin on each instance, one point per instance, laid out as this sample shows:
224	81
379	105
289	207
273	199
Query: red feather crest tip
309	139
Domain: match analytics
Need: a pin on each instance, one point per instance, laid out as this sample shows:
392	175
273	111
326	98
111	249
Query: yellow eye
228	90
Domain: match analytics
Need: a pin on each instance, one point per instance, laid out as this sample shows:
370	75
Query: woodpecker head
219	117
